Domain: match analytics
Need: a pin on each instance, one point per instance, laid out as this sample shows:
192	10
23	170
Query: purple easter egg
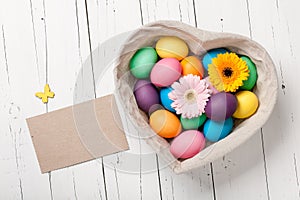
221	106
145	94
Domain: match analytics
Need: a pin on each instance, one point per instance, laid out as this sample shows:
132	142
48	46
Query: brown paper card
77	133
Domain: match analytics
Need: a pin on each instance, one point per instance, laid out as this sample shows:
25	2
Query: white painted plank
19	84
197	183
116	186
222	16
109	18
124	172
146	170
180	10
191	185
137	166
277	32
67	48
9	170
246	162
241	173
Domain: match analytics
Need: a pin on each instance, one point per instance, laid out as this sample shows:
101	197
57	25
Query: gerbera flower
190	95
227	72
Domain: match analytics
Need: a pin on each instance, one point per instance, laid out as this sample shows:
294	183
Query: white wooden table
49	40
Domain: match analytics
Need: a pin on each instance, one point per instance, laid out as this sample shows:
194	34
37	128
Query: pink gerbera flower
190	96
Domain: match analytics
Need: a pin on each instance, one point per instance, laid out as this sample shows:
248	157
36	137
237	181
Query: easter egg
250	82
165	123
187	144
210	86
247	104
192	65
193	123
165	100
217	130
207	59
145	94
142	62
221	106
171	47
165	72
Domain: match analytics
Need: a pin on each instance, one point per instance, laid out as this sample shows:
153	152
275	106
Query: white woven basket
198	41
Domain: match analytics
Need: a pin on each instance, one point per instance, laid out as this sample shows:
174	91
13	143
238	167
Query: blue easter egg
210	55
217	130
164	98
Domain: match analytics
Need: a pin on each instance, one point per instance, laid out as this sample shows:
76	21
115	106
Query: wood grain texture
66	44
280	134
235	173
43	41
199	181
125	173
20	176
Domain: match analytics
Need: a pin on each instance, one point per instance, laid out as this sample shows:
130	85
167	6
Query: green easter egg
142	62
193	123
250	82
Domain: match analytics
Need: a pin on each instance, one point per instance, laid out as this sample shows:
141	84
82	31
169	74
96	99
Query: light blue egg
212	54
215	131
164	98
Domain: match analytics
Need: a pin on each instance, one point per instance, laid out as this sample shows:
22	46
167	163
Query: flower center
227	72
190	95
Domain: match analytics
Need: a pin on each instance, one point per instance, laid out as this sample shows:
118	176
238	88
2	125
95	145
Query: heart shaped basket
199	41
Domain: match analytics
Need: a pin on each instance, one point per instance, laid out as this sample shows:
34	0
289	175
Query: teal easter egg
165	100
212	54
217	130
193	123
250	82
142	62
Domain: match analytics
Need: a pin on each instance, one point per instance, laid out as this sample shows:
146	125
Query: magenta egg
187	144
165	72
221	106
146	95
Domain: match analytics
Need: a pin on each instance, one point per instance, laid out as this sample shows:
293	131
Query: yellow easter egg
165	123
171	47
192	65
247	104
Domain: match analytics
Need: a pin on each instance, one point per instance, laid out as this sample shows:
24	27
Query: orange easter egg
165	123
192	65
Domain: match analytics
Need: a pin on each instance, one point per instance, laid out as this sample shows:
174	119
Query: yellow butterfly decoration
46	94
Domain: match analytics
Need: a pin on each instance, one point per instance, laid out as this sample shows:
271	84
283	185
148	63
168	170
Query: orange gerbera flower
227	72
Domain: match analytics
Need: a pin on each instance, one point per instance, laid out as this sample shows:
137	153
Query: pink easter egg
187	144
165	72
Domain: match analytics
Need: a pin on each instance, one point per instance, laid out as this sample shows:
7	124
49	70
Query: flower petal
188	108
